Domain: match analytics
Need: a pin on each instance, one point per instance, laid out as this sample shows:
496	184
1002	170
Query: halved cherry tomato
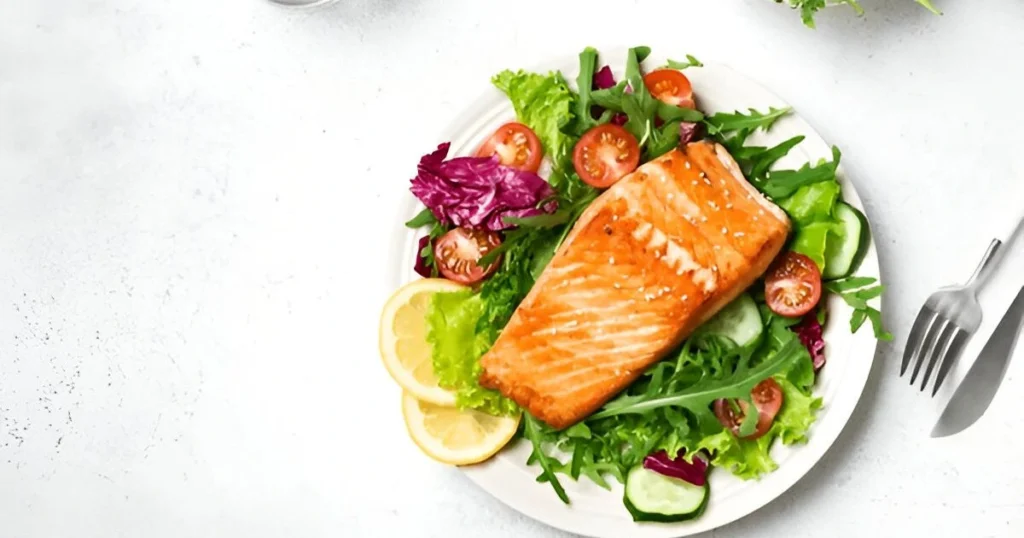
670	86
516	146
792	286
767	396
604	154
458	251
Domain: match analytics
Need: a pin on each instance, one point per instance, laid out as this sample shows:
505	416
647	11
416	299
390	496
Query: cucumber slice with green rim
740	321
652	496
844	254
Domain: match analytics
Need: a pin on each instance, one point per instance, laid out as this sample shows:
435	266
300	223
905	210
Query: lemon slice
456	437
403	339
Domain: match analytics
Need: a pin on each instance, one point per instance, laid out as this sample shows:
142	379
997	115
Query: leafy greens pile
808	8
668	408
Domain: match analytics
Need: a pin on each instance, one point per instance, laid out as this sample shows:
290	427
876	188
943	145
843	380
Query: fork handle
983	270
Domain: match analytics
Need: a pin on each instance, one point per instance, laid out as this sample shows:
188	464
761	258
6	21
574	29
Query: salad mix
740	382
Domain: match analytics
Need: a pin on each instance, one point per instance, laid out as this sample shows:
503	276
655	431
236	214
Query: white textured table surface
193	204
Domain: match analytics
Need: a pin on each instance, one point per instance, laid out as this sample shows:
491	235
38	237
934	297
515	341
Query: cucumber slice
652	496
844	254
739	321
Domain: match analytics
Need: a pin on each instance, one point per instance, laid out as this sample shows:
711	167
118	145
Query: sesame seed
701	175
760	212
671	195
707	181
679	271
729	205
640	289
685	297
611	260
617	286
755	218
695	182
615	217
718	247
738	234
703	218
725	230
648	296
726	193
687	165
714	268
666	289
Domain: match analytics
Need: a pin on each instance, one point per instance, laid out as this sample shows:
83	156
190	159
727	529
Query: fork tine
941	347
934	330
956	346
920	328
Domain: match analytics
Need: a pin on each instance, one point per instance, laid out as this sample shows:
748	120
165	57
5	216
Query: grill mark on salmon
651	259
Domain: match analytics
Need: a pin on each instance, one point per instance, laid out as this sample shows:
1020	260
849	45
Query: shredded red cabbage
421	267
478	192
604	79
810	333
695	472
687	132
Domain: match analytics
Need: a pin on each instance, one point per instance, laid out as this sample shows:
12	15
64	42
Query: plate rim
482	110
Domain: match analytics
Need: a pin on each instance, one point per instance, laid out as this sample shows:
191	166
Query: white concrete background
193	199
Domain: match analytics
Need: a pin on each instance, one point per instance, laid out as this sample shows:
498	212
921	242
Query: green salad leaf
690	62
456	349
809	8
544	103
782	183
857	292
738	121
812	203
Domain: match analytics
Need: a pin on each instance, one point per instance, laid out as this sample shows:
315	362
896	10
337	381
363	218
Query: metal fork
946	322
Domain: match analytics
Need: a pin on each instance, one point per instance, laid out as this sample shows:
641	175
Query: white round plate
595	511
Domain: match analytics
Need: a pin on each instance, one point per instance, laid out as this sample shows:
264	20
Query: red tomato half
605	154
516	146
670	86
792	286
767	396
458	251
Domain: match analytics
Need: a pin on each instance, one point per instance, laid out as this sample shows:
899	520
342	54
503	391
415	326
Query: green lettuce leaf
544	103
812	240
811	203
456	350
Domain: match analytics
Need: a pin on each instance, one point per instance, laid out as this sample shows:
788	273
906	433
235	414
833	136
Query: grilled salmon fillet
652	258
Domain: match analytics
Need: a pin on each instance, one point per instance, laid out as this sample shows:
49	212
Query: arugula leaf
640	106
584	83
534	431
758	163
723	122
782	183
427	252
699	397
423	218
690	62
857	292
